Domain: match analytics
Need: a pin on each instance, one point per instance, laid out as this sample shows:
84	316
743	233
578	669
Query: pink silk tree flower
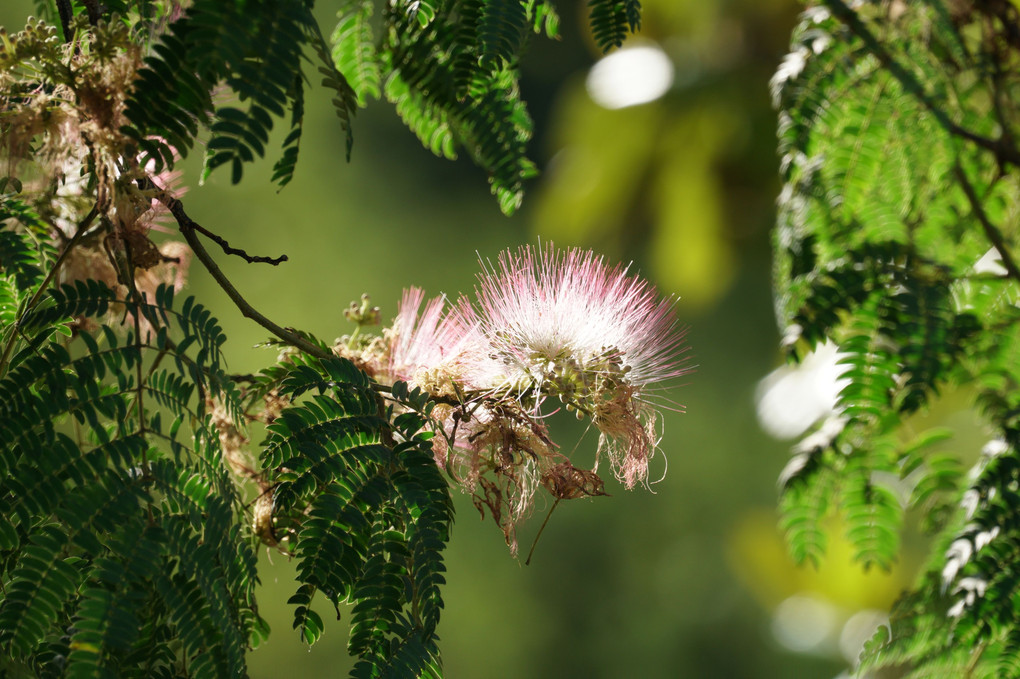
437	348
566	324
544	324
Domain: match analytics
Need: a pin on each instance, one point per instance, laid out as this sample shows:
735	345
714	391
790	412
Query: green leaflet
366	510
502	27
454	63
449	67
354	51
450	94
612	20
123	535
961	615
260	65
894	190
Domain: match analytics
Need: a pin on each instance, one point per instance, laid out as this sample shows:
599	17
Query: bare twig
92	7
66	15
541	528
288	336
188	228
251	259
184	221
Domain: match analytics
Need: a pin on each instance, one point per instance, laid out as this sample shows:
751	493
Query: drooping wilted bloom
566	324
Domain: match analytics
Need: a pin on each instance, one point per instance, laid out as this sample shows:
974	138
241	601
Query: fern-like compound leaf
123	537
354	52
613	20
894	241
357	491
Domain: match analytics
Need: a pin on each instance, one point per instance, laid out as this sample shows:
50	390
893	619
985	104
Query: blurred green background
689	581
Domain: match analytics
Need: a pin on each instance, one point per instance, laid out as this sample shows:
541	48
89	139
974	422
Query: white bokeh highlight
805	624
630	76
793	397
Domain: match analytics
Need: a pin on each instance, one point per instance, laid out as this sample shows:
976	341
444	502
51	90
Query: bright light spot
792	398
957	555
804	624
861	626
990	263
630	76
994	448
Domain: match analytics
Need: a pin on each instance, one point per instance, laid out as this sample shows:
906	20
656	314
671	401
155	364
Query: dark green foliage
449	68
262	65
19	259
961	615
450	92
502	26
365	509
114	551
612	20
900	176
354	51
23	257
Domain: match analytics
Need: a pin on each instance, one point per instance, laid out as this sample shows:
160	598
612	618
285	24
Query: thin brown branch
228	249
288	336
92	7
541	528
188	228
66	15
177	210
1003	148
991	231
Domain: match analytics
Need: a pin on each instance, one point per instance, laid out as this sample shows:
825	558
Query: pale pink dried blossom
172	269
141	209
568	325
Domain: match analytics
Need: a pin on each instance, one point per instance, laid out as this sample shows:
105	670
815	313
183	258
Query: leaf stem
1004	151
83	227
541	528
974	658
991	231
66	15
140	387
